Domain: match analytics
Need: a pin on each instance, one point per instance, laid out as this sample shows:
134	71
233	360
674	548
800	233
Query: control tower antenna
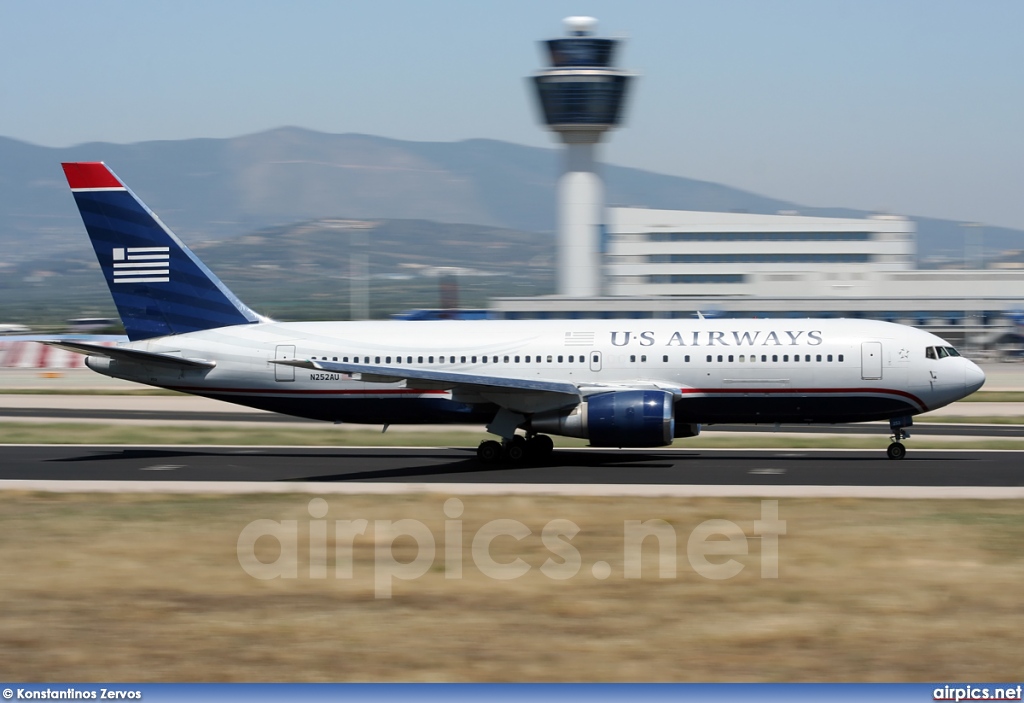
581	96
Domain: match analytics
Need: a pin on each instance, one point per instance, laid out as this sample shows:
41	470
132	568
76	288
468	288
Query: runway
164	410
579	467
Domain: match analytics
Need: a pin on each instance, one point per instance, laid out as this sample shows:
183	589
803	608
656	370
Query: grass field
149	588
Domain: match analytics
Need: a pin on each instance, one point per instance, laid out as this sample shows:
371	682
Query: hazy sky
908	106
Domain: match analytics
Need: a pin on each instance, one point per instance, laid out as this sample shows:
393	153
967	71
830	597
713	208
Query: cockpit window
940	352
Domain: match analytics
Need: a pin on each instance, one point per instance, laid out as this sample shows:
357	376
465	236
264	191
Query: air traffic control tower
581	96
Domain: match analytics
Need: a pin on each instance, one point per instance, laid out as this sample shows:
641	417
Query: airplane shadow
497	472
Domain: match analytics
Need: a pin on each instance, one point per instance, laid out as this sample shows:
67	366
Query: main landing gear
896	450
515	450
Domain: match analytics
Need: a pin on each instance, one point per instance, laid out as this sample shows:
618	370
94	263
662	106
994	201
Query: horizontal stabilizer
136	356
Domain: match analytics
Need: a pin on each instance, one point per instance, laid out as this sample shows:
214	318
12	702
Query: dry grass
107	587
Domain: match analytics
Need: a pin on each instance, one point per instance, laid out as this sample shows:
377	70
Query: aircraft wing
133	355
436	379
523	395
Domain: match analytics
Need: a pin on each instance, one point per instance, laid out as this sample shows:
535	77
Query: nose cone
974	377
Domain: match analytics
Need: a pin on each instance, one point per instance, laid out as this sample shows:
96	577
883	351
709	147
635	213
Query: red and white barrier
32	355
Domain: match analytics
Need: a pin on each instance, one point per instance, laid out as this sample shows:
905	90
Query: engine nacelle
616	419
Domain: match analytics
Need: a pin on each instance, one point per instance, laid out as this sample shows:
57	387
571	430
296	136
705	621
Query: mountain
307	270
213	189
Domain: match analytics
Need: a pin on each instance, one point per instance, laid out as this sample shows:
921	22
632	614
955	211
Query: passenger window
549	358
807	357
764	357
419	359
730	358
431	359
506	359
474	359
643	358
559	358
463	359
785	357
743	357
818	358
517	359
719	358
830	357
840	357
775	357
632	358
665	358
686	359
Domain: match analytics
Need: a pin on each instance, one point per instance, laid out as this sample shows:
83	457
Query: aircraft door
285	352
871	361
595	361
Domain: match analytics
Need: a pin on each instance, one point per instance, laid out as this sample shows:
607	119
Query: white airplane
618	383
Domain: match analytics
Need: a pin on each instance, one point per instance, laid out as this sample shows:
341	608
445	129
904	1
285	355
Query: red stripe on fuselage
92	174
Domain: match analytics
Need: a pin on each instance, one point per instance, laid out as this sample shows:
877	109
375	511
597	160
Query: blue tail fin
159	286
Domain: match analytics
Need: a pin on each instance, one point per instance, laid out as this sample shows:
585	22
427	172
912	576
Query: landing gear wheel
488	452
516	451
896	451
540	446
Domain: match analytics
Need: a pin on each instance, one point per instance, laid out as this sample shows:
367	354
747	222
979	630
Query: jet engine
615	419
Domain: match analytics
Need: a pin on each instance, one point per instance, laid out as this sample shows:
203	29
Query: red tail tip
91	174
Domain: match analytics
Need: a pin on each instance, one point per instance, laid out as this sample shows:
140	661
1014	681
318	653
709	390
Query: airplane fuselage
721	371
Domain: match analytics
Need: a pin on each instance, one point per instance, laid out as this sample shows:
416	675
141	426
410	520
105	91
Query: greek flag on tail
159	286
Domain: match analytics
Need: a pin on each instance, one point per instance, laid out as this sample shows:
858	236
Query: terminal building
640	263
675	263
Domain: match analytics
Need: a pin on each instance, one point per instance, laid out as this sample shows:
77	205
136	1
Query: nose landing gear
896	450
